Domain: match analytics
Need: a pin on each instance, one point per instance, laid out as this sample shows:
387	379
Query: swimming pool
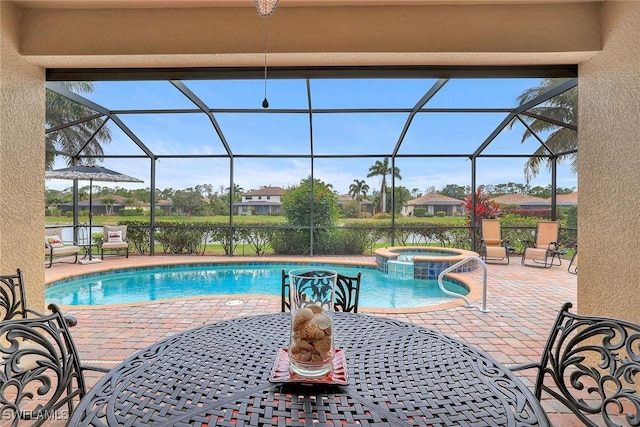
377	290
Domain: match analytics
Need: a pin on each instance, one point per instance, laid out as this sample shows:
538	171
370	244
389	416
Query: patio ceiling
107	4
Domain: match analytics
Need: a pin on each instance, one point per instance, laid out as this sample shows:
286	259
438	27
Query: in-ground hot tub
428	261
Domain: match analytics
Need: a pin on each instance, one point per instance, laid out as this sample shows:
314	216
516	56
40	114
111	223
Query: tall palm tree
68	141
382	168
564	108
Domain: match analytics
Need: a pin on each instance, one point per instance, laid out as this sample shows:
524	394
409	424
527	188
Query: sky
269	133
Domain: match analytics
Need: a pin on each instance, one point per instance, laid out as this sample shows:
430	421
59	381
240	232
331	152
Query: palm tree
358	189
237	192
563	108
382	168
108	204
68	141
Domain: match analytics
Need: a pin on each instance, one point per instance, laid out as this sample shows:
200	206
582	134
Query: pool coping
475	289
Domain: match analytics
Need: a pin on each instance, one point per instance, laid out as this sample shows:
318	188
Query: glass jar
311	346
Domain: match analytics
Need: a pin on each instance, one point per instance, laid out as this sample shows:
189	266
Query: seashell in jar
323	344
321	320
319	357
301	318
315	308
311	332
301	346
304	356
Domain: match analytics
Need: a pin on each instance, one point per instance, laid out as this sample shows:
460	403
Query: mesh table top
399	374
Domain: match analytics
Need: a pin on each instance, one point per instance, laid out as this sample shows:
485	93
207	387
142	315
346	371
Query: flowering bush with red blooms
484	208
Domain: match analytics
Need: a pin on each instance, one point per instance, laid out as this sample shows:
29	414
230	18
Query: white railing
455	294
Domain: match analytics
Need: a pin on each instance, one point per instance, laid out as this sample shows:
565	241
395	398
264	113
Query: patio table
398	374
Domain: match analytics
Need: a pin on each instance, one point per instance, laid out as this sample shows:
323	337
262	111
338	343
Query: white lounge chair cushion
63	250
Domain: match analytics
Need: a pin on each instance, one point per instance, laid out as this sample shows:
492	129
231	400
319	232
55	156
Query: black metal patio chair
40	369
573	264
347	293
13	300
592	366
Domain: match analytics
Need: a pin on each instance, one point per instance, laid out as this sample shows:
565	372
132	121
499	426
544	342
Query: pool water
377	290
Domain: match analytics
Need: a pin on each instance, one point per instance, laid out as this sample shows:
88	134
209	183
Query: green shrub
179	238
97	238
131	212
297	202
258	238
291	242
441	214
518	229
382	215
138	235
420	212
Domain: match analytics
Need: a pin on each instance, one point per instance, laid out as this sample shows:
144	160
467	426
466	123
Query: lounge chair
347	293
545	249
54	247
40	367
573	264
114	238
493	246
590	364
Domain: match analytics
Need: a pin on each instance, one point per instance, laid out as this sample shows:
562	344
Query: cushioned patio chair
592	366
13	301
347	293
54	247
545	249
492	246
114	239
573	264
40	368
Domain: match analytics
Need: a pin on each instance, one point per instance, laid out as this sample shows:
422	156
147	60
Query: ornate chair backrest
347	293
284	294
40	366
594	364
12	297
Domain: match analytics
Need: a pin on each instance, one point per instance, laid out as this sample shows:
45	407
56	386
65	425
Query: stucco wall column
22	121
608	172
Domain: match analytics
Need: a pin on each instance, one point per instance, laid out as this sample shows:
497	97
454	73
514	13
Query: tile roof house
570	199
365	205
434	202
522	201
264	201
97	207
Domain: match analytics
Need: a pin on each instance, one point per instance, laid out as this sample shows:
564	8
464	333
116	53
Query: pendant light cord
265	103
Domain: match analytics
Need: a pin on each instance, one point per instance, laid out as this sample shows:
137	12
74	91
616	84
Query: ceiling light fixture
265	8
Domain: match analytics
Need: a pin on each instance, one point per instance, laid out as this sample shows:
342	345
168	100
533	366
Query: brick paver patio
522	303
